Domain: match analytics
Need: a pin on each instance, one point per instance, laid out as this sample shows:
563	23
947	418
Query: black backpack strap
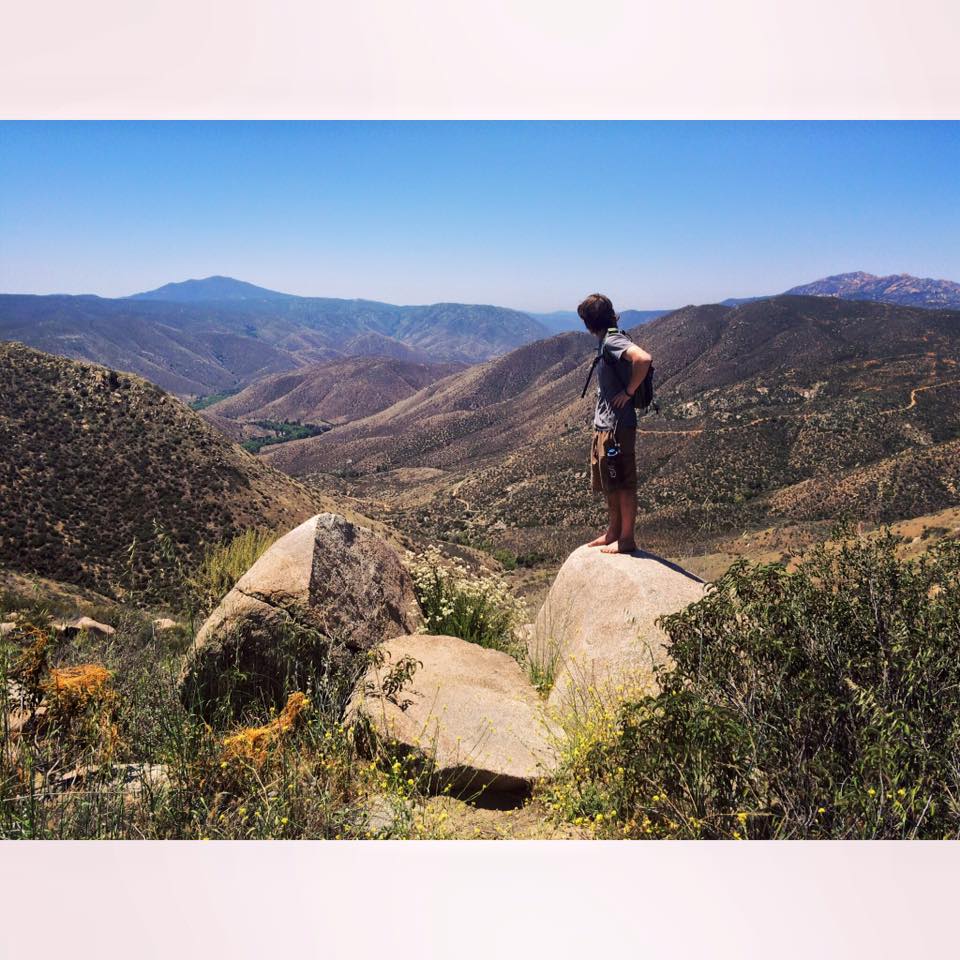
593	366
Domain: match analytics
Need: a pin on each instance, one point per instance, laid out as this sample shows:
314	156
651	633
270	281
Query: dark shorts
614	473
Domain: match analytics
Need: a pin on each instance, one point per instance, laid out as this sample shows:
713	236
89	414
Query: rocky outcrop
328	588
468	712
597	630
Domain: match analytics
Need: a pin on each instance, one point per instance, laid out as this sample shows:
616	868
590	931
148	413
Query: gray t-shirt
606	415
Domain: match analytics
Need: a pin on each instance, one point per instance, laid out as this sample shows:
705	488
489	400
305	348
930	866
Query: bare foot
620	546
603	540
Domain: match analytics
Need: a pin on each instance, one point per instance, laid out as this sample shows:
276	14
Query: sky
527	215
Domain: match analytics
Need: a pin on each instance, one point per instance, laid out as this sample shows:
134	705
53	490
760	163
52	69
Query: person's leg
597	478
614	522
628	518
625	539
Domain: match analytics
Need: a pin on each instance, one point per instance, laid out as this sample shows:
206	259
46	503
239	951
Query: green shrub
478	609
222	566
821	703
201	403
283	432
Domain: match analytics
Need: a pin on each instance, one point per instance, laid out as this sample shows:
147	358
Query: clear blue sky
530	215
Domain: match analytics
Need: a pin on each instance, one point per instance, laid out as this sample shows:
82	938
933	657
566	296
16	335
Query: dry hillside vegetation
794	409
332	392
96	462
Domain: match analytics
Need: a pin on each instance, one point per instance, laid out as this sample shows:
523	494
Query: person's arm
640	362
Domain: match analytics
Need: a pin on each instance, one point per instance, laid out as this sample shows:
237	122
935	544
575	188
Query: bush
478	609
820	704
222	566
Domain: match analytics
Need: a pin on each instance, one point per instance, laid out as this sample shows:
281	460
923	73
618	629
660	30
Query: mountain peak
899	288
210	288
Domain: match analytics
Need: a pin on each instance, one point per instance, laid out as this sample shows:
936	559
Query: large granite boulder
596	630
325	591
468	712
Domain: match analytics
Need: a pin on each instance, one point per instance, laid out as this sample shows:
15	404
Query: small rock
132	778
164	623
380	814
7	627
85	623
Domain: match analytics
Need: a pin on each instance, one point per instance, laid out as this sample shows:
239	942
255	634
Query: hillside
181	348
95	462
899	288
200	347
786	409
331	392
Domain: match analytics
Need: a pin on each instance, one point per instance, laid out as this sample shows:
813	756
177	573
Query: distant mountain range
209	336
219	334
898	288
210	288
568	321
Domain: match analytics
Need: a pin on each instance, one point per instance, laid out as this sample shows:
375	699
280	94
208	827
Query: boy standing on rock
621	369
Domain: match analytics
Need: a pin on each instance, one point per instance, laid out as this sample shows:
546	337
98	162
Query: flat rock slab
328	576
470	711
85	623
596	630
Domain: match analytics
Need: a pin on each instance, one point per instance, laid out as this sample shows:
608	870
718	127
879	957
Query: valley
139	553
795	410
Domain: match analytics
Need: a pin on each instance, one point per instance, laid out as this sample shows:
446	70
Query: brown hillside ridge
754	401
332	392
95	461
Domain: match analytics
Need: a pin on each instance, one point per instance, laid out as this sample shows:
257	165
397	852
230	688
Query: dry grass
252	744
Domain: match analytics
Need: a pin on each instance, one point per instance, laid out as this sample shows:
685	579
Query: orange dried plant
253	743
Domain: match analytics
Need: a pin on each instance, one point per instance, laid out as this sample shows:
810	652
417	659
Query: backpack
643	398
